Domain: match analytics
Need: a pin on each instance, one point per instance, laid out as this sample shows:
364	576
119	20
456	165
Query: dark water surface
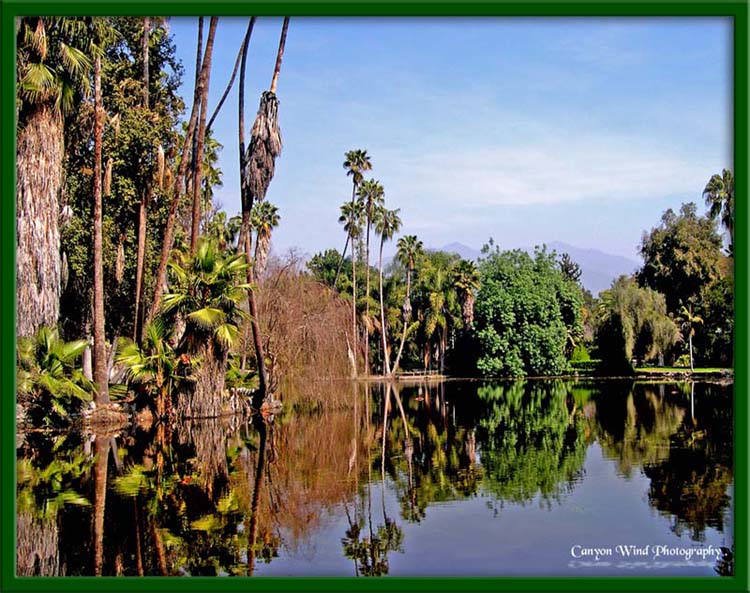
458	478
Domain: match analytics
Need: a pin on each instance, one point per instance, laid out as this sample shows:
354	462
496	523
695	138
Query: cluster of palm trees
451	285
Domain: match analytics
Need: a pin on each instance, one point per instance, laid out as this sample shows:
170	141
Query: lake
526	478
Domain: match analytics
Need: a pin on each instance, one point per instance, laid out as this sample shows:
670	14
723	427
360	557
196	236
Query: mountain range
598	269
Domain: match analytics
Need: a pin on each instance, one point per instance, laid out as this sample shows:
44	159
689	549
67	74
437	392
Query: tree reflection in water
225	496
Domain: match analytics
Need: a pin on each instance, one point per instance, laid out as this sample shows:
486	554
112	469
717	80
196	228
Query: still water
538	477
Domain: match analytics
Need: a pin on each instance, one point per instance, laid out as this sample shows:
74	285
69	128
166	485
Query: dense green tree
681	256
527	312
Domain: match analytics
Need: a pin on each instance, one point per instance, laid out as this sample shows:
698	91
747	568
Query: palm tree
466	281
688	322
152	365
207	291
101	35
440	309
387	224
264	218
355	163
372	197
49	382
53	63
719	196
409	250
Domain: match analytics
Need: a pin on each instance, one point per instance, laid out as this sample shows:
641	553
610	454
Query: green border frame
736	9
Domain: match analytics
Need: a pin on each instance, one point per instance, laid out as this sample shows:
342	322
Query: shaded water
457	478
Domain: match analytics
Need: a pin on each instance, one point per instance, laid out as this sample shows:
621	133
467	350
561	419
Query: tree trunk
39	157
690	344
355	337
247	206
262	246
37	547
407	319
205	398
161	274
367	296
198	146
142	209
100	349
279	55
386	355
101	451
252	530
341	261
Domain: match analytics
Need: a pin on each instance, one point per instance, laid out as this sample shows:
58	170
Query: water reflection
230	497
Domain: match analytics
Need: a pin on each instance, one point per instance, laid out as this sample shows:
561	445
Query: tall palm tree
264	218
719	196
53	63
409	250
387	224
102	34
688	322
372	197
466	281
356	163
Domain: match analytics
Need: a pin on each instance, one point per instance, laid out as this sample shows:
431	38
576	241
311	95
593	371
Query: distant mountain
598	269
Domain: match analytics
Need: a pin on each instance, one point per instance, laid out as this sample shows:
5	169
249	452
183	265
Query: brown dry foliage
305	326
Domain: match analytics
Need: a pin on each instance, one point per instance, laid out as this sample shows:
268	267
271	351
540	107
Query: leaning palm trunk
198	159
257	167
39	156
407	318
262	246
386	355
169	231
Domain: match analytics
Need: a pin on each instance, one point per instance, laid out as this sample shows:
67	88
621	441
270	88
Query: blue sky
527	130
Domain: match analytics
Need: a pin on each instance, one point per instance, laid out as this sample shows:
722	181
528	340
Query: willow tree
53	62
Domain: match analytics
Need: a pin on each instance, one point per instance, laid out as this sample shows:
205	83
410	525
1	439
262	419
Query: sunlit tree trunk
39	157
142	208
101	377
